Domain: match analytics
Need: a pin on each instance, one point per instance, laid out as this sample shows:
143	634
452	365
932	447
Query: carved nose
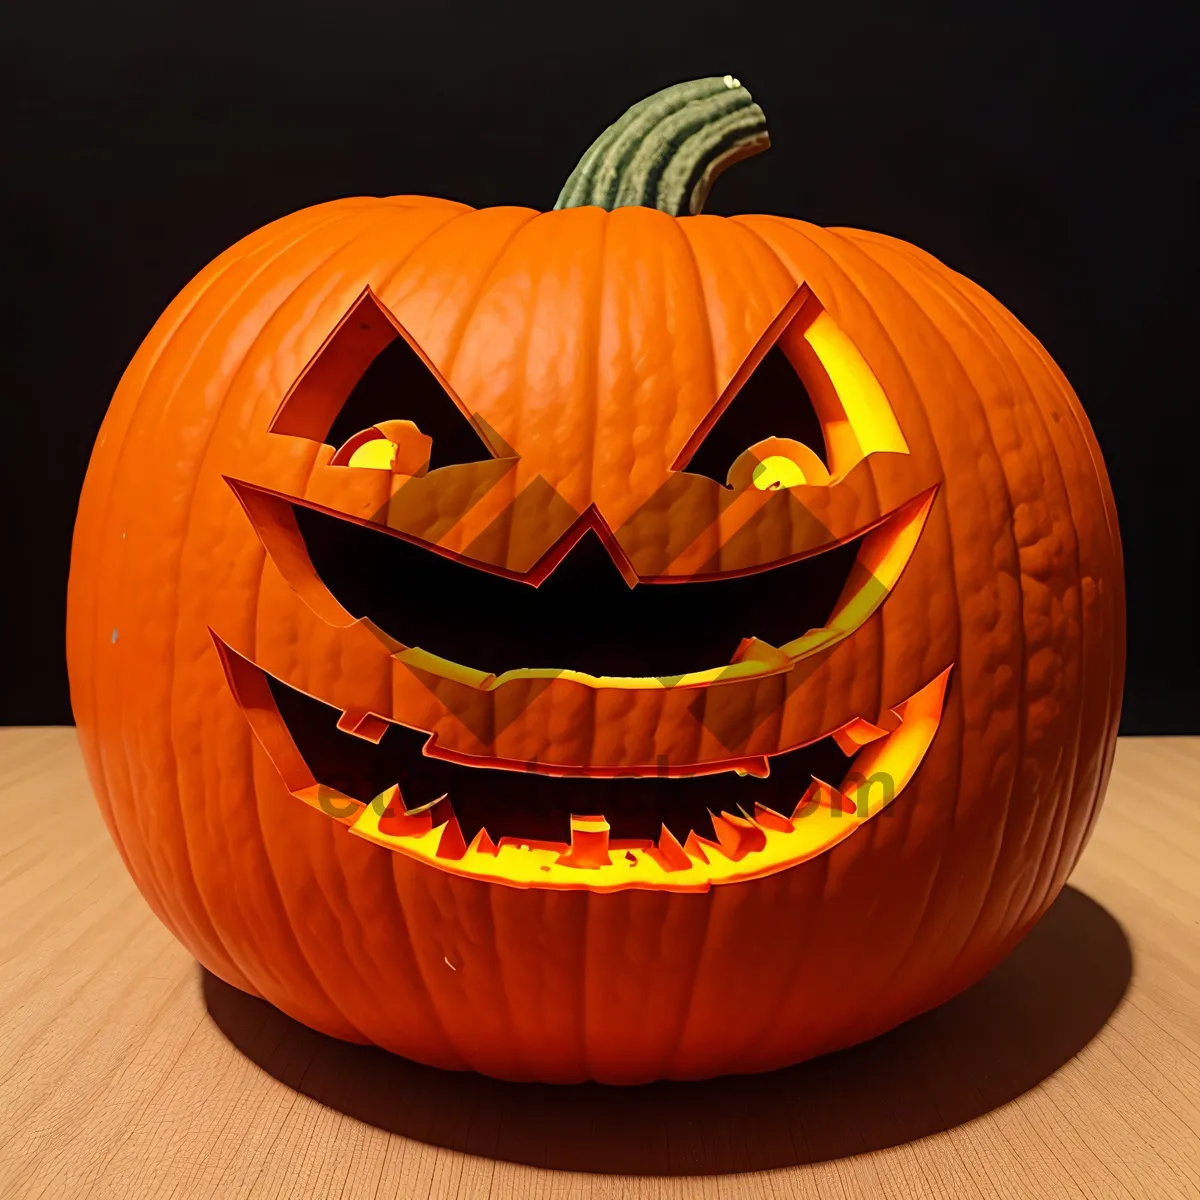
588	548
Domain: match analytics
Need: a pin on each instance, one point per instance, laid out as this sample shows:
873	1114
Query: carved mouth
600	626
583	615
581	824
527	804
526	829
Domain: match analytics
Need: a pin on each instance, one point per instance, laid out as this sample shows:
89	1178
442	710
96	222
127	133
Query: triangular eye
399	385
367	372
772	402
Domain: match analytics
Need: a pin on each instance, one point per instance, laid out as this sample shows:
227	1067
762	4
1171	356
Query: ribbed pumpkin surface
598	342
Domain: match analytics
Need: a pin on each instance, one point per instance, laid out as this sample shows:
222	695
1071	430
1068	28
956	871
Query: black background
1047	150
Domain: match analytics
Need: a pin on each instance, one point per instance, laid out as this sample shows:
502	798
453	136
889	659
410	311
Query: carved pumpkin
709	658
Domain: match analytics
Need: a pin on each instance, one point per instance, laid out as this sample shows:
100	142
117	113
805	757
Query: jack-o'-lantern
608	643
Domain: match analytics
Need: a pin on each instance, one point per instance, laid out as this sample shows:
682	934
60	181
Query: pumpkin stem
668	149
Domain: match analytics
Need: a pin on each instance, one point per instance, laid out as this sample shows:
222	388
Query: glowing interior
743	846
854	412
775	472
376	454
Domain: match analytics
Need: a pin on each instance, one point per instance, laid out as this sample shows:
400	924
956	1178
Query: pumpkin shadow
985	1047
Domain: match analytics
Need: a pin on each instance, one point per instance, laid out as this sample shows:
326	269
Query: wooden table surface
1072	1070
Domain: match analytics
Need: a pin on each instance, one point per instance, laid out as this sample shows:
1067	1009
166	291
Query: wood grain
1072	1070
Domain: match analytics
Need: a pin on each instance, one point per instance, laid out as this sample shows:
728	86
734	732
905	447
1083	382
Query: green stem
667	150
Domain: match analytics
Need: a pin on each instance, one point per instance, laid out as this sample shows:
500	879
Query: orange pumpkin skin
622	320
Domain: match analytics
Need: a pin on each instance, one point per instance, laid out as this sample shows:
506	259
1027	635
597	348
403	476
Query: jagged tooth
389	801
754	817
482	843
363	723
768	818
845	743
824	795
760	651
589	843
737	836
759	767
398	820
694	847
856	734
820	794
451	844
670	854
809	801
349	718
